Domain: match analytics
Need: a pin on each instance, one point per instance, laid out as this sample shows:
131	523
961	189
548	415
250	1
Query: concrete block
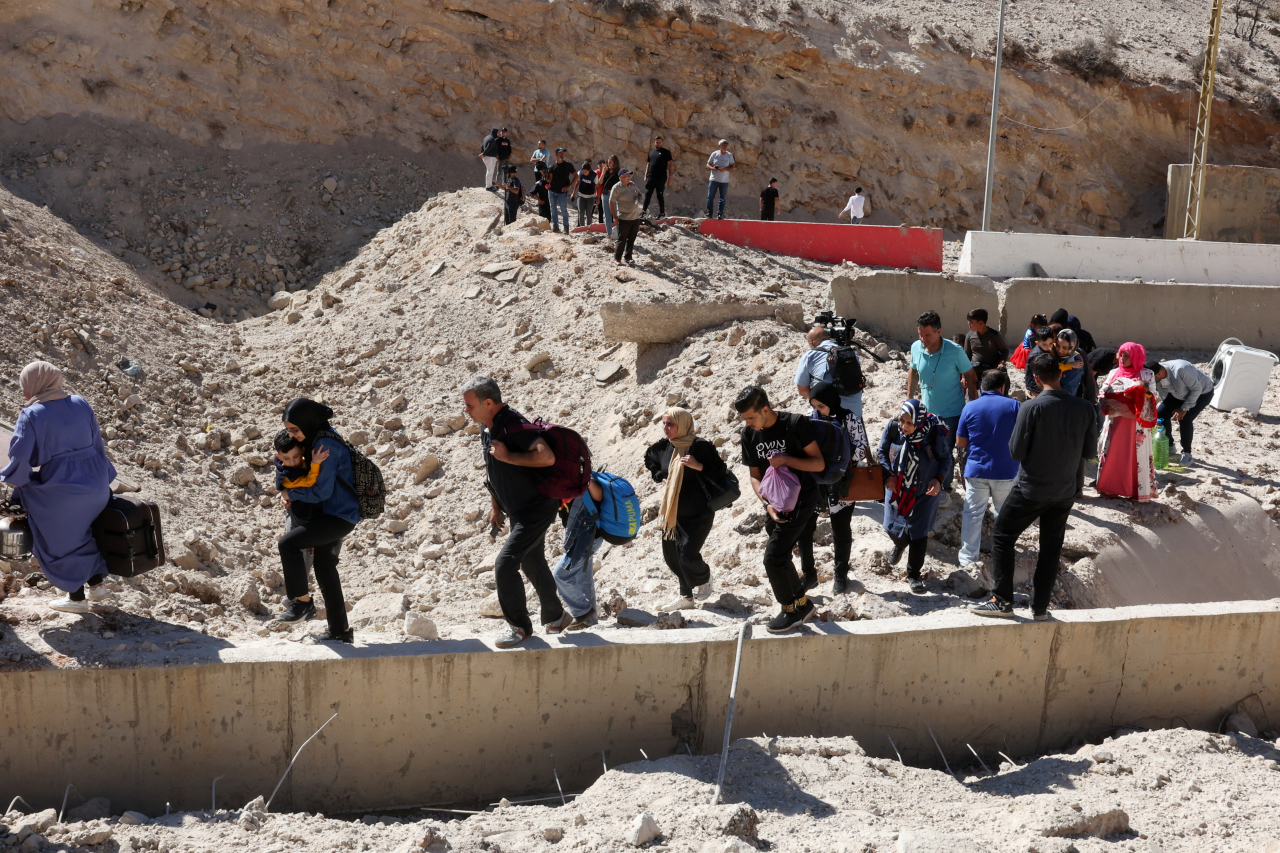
1238	204
669	322
1174	316
1001	255
893	300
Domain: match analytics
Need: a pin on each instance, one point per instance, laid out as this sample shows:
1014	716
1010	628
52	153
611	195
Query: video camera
842	331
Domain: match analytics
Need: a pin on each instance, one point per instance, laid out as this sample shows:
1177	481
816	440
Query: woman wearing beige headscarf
60	474
682	460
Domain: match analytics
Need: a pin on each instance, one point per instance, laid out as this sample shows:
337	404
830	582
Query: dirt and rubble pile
1173	791
820	94
387	340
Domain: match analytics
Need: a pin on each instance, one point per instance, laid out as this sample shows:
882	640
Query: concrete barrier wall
454	721
893	300
1241	204
867	245
669	322
1001	255
1159	316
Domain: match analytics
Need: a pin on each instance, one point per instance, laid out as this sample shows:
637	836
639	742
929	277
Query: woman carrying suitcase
58	434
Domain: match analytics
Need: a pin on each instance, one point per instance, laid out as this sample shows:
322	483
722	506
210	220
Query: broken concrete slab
493	269
608	371
668	322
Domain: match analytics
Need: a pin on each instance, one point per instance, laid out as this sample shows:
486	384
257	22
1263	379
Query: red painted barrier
868	245
598	227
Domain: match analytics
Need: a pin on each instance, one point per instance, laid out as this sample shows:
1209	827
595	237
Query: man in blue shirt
982	440
942	375
813	368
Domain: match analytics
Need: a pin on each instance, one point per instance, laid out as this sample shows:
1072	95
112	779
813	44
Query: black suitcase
129	536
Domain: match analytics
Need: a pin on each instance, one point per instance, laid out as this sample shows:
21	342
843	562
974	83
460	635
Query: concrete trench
455	721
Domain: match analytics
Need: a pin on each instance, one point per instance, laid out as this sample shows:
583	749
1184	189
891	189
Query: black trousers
325	535
659	188
627	231
795	528
523	551
916	549
509	211
1015	516
78	594
842	534
1186	426
766	216
683	554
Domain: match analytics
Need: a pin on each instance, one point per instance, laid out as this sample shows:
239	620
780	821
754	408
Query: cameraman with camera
830	338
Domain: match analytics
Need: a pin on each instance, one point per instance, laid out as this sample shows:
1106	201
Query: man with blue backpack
608	511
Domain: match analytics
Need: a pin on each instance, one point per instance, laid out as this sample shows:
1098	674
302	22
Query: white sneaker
678	604
97	593
1187	460
66	605
703	591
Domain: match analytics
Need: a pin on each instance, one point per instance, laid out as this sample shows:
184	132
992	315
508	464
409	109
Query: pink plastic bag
781	488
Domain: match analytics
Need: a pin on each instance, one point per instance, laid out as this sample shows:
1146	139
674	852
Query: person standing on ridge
563	181
719	164
625	209
769	201
856	208
658	175
489	156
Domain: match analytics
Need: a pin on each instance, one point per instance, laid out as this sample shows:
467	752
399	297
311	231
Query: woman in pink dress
1128	398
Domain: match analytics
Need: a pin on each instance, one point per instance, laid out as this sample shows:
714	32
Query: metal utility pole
1200	150
995	114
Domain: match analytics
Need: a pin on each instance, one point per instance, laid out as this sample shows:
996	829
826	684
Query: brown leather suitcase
129	536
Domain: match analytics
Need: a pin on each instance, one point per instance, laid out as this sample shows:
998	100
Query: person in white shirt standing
720	164
856	208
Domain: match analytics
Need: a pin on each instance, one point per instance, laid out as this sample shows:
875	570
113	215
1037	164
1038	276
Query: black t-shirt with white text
658	160
562	176
791	434
769	195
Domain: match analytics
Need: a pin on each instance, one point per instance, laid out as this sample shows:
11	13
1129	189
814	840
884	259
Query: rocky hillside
820	94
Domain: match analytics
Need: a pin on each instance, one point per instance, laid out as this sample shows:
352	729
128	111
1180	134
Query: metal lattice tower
1200	149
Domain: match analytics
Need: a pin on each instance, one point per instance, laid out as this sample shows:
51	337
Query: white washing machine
1240	376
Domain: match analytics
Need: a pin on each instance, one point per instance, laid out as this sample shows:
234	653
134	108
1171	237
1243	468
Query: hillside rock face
817	100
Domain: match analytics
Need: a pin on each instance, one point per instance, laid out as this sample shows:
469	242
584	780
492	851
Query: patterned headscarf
686	434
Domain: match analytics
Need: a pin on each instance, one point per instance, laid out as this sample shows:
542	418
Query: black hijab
310	417
826	394
1060	317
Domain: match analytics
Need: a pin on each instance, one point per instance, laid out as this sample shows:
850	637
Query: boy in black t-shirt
769	201
791	438
515	194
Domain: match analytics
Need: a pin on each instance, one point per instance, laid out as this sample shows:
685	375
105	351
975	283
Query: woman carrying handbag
826	405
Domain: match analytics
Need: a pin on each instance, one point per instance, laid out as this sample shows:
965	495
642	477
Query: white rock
490	608
293	317
188	560
133	819
396	525
432	550
420	625
643	830
552	833
425	469
241	475
381	607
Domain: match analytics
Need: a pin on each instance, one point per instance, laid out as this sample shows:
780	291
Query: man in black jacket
489	150
1051	436
504	151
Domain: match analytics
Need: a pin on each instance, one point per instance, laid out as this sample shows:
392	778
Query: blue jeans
952	425
608	219
855	220
713	187
574	580
977	491
559	209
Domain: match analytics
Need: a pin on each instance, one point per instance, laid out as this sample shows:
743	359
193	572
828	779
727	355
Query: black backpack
844	371
368	485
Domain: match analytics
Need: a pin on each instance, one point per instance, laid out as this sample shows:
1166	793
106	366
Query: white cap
724	142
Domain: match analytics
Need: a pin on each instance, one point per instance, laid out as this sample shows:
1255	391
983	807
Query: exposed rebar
295	758
67	793
213	800
728	722
895	749
15	800
940	752
980	761
557	775
1008	759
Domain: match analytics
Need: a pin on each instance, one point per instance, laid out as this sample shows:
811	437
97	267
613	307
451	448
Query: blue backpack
837	450
619	512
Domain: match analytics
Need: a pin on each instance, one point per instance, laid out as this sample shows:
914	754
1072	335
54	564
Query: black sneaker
297	611
994	608
896	556
1041	616
348	636
791	617
840	585
809	582
916	584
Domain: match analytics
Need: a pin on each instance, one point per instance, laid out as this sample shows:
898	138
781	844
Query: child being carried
292	472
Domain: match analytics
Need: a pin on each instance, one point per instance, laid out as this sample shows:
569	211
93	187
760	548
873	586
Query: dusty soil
386	340
1172	791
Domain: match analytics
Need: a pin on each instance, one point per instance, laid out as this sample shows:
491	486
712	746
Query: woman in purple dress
60	474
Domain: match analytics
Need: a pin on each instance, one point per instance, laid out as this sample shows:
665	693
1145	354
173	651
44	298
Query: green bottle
1160	447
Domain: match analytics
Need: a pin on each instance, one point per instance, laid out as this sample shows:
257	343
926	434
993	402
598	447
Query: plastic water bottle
1160	447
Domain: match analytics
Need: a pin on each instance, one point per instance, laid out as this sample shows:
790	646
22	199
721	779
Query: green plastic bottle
1160	447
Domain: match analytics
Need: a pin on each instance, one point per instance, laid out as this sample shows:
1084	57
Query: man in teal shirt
941	377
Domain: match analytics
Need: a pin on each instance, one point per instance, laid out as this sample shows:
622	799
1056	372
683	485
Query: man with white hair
719	164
